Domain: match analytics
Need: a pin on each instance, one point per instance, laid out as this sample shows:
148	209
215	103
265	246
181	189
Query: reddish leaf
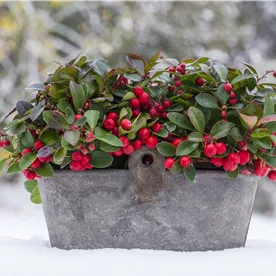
250	121
267	119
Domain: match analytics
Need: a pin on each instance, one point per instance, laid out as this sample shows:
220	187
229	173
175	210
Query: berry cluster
80	162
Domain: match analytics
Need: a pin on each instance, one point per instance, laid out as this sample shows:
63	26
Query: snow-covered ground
24	250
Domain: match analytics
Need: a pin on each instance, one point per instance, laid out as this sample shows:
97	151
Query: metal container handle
147	169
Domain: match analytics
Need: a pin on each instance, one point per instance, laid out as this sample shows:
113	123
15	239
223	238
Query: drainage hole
147	159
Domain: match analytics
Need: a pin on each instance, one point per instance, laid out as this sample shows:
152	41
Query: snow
24	250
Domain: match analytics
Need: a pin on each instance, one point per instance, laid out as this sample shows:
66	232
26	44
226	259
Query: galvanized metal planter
146	207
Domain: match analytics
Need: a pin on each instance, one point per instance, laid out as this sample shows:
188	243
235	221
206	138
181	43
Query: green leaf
222	95
23	107
162	133
180	120
221	129
100	159
190	173
251	68
260	133
186	147
35	196
14	168
133	77
170	126
3	163
62	105
263	142
270	160
92	117
207	100
81	121
27	139
37	110
16	129
101	132
195	154
253	109
221	71
46	170
78	95
49	137
108	148
251	146
26	160
233	175
250	121
72	137
59	156
110	139
197	118
235	133
70	115
128	96
125	113
195	137
30	185
269	104
55	120
166	149
176	168
35	87
241	78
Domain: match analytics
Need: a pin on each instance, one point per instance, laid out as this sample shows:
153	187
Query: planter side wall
88	210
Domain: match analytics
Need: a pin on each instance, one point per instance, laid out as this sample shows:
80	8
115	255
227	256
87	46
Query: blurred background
34	34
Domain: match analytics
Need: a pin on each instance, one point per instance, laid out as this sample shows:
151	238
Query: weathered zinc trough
146	207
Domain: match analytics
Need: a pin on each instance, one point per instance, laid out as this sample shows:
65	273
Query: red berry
167	104
1	144
210	150
228	87
144	98
272	174
126	124
261	170
153	112
218	162
76	166
45	159
229	167
146	106
242	145
38	145
176	142
78	116
75	127
152	142
6	143
109	124
182	65
76	156
137	144
119	152
84	151
274	74
171	69
233	101
26	150
180	70
136	113
223	113
144	133
171	88
156	127
129	149
221	148
89	167
138	91
185	161
232	95
112	115
199	81
169	163
160	108
91	147
115	131
36	164
244	157
30	175
245	172
163	115
85	159
179	92
177	83
134	103
233	158
124	140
